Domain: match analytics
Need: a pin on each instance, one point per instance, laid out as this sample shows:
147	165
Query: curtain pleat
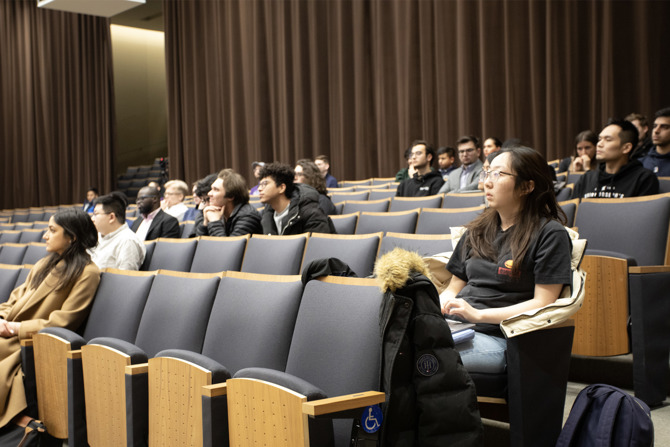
56	106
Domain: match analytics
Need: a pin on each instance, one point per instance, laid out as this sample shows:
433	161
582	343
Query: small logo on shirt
507	270
427	365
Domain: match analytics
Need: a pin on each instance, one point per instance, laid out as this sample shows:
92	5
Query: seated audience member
229	212
585	154
58	292
617	176
201	190
307	172
409	171
446	161
153	222
491	145
644	143
513	258
425	181
465	178
89	203
290	208
324	166
175	192
485	167
256	166
118	246
658	158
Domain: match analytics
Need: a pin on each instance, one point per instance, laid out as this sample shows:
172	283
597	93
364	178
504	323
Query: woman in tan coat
58	292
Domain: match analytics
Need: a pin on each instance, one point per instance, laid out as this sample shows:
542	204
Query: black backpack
603	415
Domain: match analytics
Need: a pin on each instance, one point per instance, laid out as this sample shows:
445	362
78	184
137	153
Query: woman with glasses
58	292
513	258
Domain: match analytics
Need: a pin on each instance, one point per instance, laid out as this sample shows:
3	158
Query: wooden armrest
216	390
27	342
650	269
75	355
342	403
140	368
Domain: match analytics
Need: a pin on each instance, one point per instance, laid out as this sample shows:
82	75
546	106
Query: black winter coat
421	185
304	214
430	398
243	220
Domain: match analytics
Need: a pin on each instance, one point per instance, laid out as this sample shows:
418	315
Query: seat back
345	223
377	206
31	235
8	276
10	236
569	207
433	221
274	255
34	252
118	305
12	253
663	184
177	312
398	222
637	227
379	194
185	228
463	200
219	254
337	197
358	251
173	254
423	244
411	203
252	320
338	316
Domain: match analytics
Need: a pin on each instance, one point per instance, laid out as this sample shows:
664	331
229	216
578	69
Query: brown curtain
358	80
56	105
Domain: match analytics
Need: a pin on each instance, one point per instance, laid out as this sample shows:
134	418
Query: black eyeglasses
466	151
495	175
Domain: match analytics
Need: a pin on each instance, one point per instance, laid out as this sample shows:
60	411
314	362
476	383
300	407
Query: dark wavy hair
537	207
79	227
312	175
282	174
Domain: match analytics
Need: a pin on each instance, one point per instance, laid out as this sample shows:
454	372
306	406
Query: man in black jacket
617	176
153	222
229	212
425	181
290	208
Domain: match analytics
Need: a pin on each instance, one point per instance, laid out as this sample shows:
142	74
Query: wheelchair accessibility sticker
371	420
427	365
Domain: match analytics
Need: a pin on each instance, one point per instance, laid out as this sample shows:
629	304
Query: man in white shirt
175	192
118	246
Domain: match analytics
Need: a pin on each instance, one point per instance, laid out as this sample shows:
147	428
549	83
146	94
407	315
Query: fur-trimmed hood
394	269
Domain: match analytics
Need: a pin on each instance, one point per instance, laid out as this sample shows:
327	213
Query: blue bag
604	416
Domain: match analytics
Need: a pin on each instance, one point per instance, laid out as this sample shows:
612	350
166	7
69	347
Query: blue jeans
483	354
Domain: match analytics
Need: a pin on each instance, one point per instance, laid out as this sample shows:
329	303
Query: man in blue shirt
324	166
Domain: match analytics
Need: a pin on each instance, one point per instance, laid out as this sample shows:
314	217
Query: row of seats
21	236
158	348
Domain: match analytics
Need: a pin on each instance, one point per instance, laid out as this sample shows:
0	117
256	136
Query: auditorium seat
438	221
28	236
411	203
358	251
337	197
219	254
8	276
398	222
11	253
10	236
274	255
34	252
423	244
378	194
173	254
463	200
352	206
345	223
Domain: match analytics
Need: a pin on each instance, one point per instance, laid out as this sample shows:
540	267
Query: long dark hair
79	227
312	175
537	208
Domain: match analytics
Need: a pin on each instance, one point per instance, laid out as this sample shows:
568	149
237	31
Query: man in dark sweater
229	212
290	208
425	181
658	158
617	176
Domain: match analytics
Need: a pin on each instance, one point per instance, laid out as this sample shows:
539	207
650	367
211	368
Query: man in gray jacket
466	177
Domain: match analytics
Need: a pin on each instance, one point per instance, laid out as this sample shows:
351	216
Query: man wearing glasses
465	178
426	181
153	222
118	247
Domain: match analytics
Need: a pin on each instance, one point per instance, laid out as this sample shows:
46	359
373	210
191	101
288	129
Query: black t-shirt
491	284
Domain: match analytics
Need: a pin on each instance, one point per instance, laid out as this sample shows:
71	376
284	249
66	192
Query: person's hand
9	329
460	308
411	170
577	164
586	162
211	213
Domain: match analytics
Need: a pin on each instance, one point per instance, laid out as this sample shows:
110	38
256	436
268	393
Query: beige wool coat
37	309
